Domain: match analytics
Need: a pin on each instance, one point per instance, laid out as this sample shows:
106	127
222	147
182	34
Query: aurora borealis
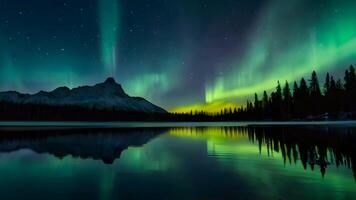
174	53
109	24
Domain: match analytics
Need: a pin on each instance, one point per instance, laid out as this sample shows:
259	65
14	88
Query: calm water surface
314	161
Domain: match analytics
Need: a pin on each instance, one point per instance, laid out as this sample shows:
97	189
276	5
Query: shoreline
138	124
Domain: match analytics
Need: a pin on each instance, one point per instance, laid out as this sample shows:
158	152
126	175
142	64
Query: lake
46	160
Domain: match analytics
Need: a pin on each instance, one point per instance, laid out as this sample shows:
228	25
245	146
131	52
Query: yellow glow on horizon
211	107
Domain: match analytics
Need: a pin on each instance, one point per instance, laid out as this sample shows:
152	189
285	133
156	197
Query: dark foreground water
258	162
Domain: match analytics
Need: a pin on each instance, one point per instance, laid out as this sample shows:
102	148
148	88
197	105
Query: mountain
108	95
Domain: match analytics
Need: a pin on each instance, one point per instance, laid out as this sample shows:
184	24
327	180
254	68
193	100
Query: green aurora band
109	28
174	55
289	41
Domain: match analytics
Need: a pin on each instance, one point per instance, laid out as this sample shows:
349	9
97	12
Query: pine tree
350	84
295	99
315	95
339	85
332	88
352	77
248	109
279	91
352	88
326	98
295	90
276	101
303	88
286	93
265	102
327	84
352	72
287	100
303	101
256	103
314	86
347	80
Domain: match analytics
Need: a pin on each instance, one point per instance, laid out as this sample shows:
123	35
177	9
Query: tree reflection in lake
313	146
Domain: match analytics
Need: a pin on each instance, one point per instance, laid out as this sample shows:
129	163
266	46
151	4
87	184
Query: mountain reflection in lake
106	145
276	162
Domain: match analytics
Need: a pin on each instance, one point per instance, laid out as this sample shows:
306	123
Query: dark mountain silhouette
102	96
105	101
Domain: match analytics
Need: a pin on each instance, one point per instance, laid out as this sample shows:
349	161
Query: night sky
175	53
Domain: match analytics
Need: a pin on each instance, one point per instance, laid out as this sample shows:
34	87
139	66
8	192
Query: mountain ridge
108	95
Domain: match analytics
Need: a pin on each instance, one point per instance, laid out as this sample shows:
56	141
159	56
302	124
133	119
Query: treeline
40	112
10	111
307	99
303	100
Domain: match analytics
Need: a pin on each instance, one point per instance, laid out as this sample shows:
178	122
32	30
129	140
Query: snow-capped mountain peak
106	95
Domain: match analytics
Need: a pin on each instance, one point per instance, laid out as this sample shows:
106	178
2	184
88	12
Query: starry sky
179	54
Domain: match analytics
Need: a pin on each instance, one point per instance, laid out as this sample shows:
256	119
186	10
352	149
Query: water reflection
278	162
313	146
98	144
